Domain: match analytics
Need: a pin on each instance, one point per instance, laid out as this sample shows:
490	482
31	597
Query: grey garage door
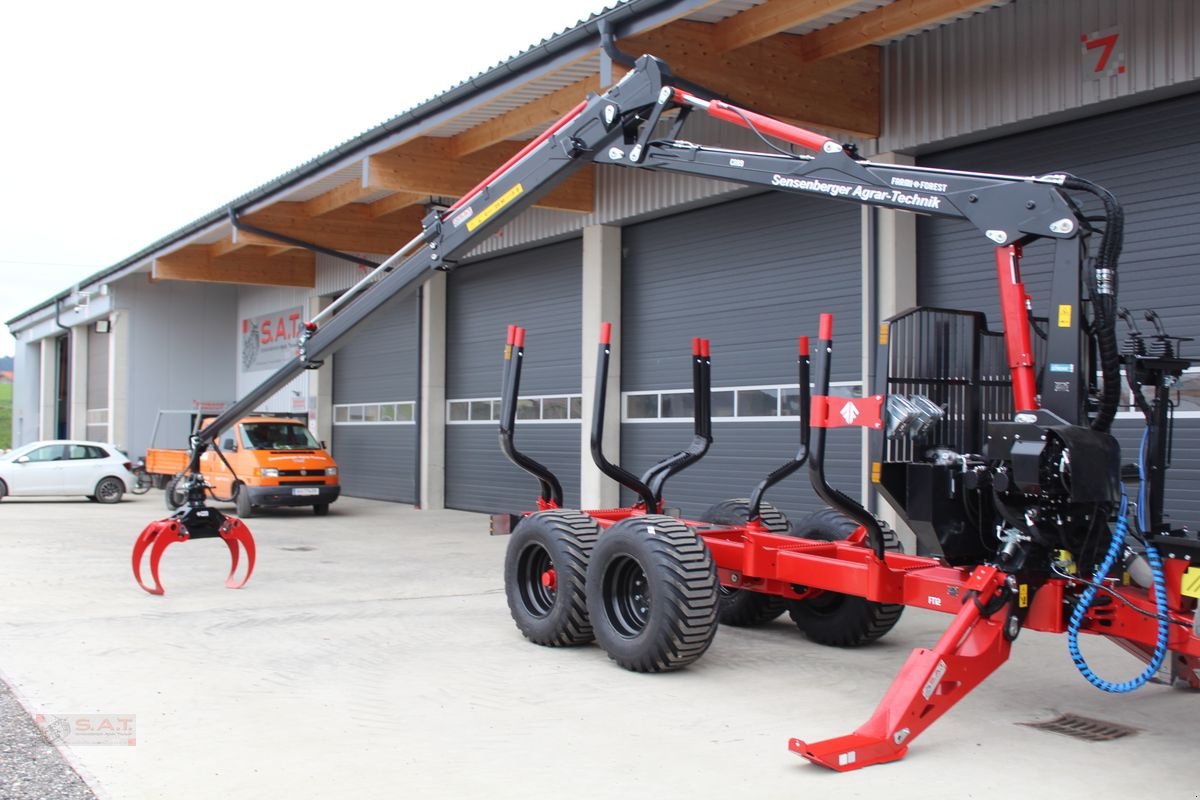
1149	157
375	382
539	290
750	275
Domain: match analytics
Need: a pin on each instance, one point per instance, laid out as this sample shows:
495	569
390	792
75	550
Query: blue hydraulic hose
1089	594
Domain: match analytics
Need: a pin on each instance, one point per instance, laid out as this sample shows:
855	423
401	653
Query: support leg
930	683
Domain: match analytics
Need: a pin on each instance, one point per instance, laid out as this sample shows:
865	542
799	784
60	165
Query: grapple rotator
194	520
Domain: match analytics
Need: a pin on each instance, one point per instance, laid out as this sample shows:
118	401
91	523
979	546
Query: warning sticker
1064	315
491	211
1190	585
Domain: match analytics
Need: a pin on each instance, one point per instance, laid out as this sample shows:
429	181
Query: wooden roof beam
840	93
426	167
772	17
351	228
249	265
894	19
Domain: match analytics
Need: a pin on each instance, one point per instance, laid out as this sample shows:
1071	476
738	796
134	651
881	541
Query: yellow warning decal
883	333
876	470
1191	583
1023	596
499	203
1064	315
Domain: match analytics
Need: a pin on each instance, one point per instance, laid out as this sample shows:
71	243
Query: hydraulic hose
1089	594
1105	294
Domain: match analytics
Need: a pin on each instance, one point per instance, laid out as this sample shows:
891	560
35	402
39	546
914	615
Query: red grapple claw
233	532
157	536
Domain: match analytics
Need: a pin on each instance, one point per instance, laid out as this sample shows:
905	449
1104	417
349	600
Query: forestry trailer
995	449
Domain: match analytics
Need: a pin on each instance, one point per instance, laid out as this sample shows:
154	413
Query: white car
98	471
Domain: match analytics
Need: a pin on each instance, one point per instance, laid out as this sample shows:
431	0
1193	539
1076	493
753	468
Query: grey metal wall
539	290
183	340
380	364
1024	61
1150	158
750	275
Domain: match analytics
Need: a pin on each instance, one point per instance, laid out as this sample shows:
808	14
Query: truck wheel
652	594
109	490
545	569
739	608
241	501
172	495
321	509
841	620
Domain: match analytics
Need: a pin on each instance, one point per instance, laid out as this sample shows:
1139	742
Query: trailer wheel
241	501
652	594
841	620
545	570
740	608
172	495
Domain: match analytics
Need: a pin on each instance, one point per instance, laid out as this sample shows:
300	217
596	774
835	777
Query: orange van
275	462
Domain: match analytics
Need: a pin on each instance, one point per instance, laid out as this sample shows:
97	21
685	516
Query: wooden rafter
351	228
249	265
894	19
426	167
772	17
523	118
840	93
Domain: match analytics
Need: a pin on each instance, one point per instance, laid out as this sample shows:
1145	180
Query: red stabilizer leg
157	536
234	531
930	683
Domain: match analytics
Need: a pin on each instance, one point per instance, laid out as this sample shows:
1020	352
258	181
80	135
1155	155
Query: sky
124	121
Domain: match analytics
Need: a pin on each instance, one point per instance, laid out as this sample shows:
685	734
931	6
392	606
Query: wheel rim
107	490
627	601
537	592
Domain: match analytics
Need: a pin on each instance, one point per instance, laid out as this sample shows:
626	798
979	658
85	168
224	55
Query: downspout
294	242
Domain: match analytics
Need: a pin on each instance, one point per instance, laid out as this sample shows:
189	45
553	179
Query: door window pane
641	406
756	403
677	405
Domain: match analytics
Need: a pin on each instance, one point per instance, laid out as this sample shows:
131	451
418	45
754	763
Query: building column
77	392
48	368
320	386
119	344
432	414
601	302
892	279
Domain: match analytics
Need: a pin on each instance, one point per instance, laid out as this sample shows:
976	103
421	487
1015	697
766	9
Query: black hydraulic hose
1105	299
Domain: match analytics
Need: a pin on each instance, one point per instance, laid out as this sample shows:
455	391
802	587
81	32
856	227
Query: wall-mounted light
103	326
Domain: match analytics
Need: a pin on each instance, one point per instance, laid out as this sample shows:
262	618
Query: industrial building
1105	89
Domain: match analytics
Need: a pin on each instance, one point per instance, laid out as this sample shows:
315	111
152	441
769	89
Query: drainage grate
300	549
1090	730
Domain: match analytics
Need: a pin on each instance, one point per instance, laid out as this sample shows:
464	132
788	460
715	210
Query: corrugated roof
527	59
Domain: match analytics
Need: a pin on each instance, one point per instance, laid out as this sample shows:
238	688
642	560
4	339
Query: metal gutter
574	42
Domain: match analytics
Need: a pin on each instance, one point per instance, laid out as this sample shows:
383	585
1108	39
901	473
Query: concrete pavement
372	655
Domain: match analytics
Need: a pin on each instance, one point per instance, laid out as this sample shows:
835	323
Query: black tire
109	490
172	494
743	609
3	490
241	501
321	509
142	482
545	569
652	594
841	620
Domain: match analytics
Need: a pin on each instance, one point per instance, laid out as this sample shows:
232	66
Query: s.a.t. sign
268	341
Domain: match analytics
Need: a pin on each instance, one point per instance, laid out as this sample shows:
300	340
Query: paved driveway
372	655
